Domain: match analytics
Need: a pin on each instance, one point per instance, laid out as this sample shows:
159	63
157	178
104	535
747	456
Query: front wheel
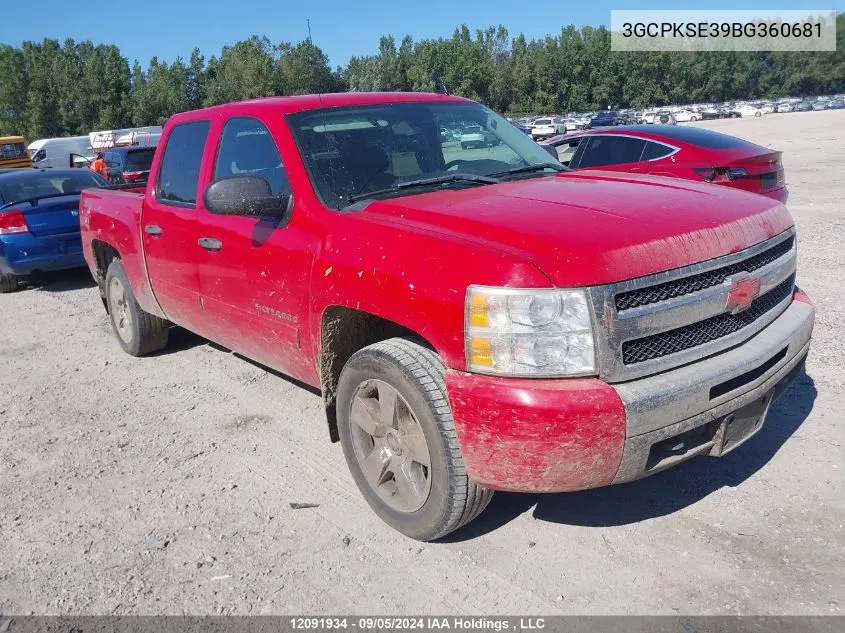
398	437
138	332
758	114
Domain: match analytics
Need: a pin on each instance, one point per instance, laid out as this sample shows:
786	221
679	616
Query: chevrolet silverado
476	318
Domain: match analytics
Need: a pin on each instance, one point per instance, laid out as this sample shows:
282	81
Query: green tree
14	88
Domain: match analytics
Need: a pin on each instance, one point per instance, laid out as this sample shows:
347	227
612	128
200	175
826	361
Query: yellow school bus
13	152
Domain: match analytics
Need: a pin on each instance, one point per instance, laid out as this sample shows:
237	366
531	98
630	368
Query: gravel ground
162	485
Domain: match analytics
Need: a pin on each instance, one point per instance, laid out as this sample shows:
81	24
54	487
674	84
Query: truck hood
594	227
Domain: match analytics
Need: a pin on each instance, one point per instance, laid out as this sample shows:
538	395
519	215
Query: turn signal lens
481	352
478	311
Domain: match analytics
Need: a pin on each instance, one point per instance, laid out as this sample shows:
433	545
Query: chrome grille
651	324
680	287
689	336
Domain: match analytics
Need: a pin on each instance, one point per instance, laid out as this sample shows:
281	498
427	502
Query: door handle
210	244
152	229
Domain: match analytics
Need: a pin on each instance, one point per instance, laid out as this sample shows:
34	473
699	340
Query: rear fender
114	218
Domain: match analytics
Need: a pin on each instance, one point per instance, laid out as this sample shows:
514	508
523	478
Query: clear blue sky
342	28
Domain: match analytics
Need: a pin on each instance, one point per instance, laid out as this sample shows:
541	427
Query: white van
60	152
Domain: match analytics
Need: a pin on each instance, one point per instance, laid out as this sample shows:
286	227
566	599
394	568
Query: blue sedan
39	221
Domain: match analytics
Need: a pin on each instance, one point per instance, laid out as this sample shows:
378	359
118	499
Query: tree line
51	89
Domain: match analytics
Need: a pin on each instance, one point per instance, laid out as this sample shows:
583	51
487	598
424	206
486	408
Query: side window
653	151
180	166
248	149
611	150
565	151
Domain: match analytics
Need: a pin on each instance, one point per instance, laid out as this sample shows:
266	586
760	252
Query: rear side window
139	160
565	151
248	149
611	150
179	174
653	151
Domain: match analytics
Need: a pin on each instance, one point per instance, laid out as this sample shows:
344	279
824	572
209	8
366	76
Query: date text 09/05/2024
419	623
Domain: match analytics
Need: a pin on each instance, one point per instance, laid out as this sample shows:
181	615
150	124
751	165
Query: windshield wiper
424	182
529	168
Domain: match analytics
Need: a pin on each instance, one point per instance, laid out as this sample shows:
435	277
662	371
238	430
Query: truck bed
112	216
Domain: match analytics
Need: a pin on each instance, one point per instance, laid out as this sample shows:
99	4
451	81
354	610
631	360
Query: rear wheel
8	283
398	437
138	332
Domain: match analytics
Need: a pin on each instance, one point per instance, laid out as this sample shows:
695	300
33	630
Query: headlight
535	332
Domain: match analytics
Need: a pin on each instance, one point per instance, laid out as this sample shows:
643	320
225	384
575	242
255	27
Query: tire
138	332
8	283
758	114
694	118
445	499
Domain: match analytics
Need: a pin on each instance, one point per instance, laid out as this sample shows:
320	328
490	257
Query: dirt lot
162	485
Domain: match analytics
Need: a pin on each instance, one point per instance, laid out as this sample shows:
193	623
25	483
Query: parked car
546	127
837	105
606	118
59	152
680	152
665	117
685	116
476	136
820	105
127	165
483	322
39	221
749	110
802	106
785	107
648	116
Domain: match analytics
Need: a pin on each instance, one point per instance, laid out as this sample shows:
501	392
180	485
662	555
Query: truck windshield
350	151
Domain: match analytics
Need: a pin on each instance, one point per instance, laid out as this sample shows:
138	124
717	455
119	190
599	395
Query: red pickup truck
476	318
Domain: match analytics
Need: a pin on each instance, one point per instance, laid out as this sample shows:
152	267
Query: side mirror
551	149
247	196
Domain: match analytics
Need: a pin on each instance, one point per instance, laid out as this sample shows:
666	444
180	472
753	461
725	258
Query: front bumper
573	434
24	254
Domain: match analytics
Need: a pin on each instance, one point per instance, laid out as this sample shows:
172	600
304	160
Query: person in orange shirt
99	165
